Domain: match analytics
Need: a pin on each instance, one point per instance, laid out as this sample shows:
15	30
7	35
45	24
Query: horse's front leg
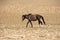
31	23
27	23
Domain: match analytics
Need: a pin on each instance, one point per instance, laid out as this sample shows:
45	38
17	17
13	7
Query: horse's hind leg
43	20
40	22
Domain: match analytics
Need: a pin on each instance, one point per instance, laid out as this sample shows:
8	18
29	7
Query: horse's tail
43	20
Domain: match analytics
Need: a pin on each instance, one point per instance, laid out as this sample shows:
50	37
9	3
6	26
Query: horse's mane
29	14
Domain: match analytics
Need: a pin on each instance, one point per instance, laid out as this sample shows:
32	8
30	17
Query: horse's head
24	17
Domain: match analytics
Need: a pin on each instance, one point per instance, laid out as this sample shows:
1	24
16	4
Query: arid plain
13	28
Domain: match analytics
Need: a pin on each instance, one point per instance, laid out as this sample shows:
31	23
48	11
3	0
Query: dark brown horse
34	17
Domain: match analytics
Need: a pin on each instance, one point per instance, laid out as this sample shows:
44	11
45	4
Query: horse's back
32	17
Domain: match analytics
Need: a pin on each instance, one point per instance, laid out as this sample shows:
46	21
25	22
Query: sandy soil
44	32
12	27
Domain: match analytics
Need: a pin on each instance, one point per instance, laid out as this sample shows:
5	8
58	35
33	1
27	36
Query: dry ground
44	32
12	27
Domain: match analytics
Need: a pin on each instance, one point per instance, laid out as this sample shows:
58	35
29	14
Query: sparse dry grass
44	32
12	27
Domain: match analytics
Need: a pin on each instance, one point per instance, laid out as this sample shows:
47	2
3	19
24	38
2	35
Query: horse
33	17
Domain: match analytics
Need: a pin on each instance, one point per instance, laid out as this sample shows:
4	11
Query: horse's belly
34	20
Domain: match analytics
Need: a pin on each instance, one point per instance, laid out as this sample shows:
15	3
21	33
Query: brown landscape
13	28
